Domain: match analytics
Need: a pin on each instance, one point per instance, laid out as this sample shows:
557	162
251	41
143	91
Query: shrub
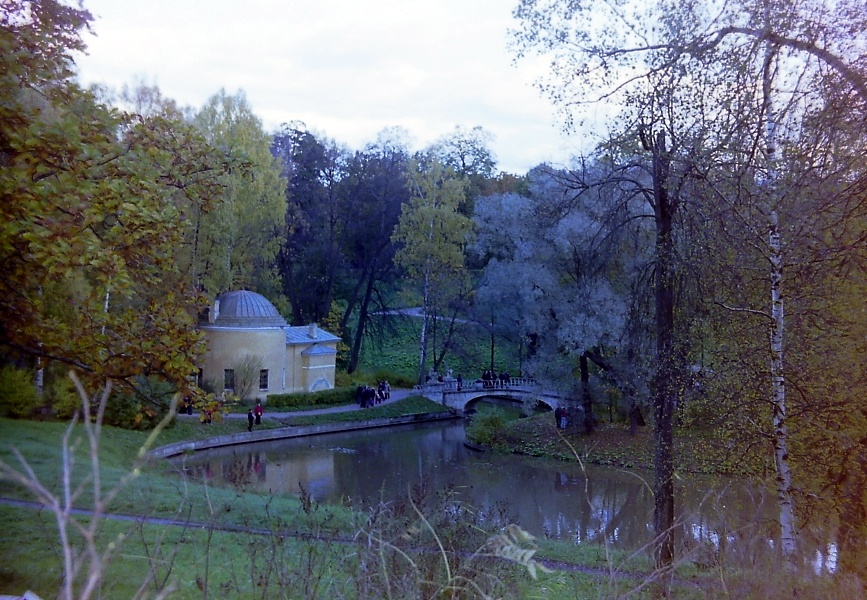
342	379
18	396
487	427
332	397
61	396
396	380
247	376
140	408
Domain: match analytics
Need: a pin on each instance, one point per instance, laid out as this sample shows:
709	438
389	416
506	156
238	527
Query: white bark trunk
422	360
786	505
778	395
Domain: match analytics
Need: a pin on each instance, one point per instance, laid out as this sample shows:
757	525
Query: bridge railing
451	385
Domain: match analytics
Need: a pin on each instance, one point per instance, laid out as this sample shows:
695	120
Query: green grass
696	451
234	564
469	354
238	565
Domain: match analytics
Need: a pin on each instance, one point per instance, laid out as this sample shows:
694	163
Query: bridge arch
517	391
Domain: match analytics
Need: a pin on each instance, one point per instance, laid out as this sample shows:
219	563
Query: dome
246	309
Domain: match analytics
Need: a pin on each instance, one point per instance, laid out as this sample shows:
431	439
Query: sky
346	68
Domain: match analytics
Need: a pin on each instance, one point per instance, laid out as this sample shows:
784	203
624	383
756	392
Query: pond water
548	498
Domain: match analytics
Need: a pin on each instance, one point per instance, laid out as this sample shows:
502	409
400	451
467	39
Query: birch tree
236	244
432	236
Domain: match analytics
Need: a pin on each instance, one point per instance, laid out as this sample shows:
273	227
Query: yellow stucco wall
229	346
309	373
289	369
319	371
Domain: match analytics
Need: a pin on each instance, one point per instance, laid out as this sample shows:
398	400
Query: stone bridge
516	391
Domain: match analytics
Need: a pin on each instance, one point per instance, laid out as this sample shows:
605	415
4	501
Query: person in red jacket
258	412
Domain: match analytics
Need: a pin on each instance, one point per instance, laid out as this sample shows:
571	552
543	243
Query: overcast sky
346	68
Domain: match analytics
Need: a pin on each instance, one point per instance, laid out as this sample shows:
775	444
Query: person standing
249	419
258	412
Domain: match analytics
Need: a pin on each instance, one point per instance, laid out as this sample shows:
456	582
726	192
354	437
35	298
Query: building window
229	380
263	380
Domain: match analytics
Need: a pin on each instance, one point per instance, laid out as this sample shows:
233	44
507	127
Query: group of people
490	379
254	415
368	396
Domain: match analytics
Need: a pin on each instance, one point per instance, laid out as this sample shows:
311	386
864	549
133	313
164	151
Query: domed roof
246	309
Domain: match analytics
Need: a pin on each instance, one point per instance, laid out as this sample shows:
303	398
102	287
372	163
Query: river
548	498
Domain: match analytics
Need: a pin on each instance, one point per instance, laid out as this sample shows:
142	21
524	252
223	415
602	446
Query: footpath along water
278	414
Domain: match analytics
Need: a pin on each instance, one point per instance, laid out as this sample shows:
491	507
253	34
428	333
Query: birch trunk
422	361
785	501
778	395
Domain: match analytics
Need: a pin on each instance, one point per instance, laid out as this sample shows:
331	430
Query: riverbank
289	431
225	537
696	451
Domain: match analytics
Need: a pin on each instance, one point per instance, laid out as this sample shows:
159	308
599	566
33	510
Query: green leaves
432	232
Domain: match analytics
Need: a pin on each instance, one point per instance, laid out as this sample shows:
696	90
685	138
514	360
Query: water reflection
547	498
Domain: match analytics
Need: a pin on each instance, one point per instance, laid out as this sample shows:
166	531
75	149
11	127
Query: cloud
347	68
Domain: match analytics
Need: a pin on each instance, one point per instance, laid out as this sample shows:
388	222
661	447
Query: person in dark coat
249	419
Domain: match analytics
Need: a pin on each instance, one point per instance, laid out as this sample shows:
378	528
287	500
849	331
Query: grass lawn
413	405
469	352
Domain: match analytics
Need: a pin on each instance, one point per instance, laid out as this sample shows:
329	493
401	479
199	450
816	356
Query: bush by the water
487	426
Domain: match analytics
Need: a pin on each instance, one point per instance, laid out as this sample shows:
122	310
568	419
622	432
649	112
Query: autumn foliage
95	209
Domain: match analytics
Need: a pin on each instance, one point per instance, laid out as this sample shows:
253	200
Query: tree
562	264
650	110
376	189
236	243
432	236
774	64
466	151
94	204
309	260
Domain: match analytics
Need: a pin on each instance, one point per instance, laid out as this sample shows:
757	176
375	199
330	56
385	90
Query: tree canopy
94	205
